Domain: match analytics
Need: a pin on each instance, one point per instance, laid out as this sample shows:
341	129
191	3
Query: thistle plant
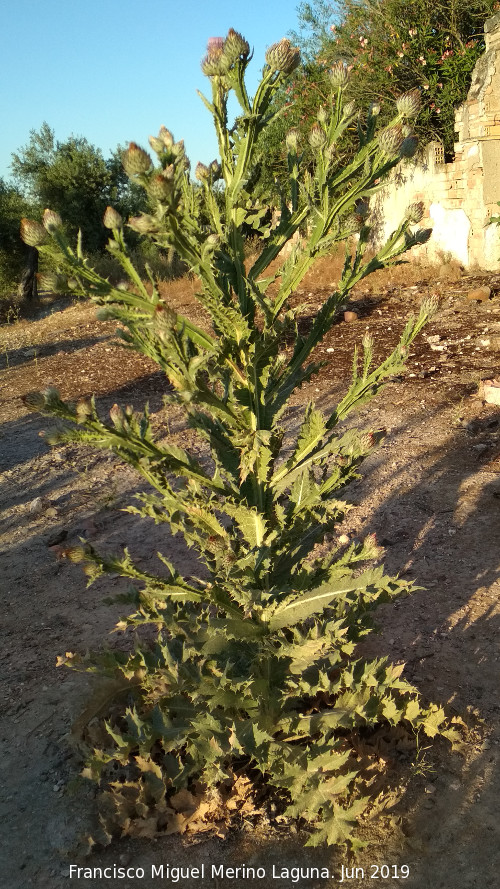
254	667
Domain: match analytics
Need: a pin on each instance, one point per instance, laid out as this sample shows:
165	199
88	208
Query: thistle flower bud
216	170
83	409
322	115
212	241
76	554
338	75
202	172
52	282
350	225
117	417
215	63
374	109
34	401
283	56
415	212
292	140
112	218
390	140
51	396
235	47
409	147
409	103
143	224
178	149
160	187
156	144
166	137
317	137
33	233
135	160
348	109
51	220
215	45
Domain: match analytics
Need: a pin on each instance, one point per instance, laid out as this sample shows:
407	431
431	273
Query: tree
74	178
13	252
396	45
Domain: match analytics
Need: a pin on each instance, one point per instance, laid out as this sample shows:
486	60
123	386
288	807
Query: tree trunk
28	289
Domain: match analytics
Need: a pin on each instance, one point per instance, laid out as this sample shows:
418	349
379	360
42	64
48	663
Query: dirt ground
431	493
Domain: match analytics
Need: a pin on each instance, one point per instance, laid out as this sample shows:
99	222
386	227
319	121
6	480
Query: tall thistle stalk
255	661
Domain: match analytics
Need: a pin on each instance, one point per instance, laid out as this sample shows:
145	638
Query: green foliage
73	178
255	660
394	46
12	250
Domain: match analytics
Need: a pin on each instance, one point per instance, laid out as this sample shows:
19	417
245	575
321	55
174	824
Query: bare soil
431	493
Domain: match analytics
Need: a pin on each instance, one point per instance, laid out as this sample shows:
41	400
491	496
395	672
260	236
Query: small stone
489	391
479	294
430	788
350	316
36	506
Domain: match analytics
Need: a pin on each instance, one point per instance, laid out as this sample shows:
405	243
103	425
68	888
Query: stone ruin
461	196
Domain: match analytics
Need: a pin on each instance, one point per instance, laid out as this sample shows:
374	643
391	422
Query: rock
350	316
479	294
489	391
36	506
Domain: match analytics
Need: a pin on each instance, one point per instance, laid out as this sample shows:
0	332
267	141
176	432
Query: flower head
338	75
408	104
135	160
317	137
112	218
283	56
33	233
51	221
415	212
390	140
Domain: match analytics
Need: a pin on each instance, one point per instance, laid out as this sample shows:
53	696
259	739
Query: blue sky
115	70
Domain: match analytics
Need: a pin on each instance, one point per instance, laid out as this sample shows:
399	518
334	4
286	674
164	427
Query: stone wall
461	196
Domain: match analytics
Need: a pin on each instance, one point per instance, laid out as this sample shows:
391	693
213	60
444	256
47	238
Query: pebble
479	294
489	391
350	316
36	506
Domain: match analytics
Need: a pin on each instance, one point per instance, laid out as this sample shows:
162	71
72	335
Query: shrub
254	667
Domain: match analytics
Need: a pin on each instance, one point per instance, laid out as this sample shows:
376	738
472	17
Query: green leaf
338	824
312	602
250	522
